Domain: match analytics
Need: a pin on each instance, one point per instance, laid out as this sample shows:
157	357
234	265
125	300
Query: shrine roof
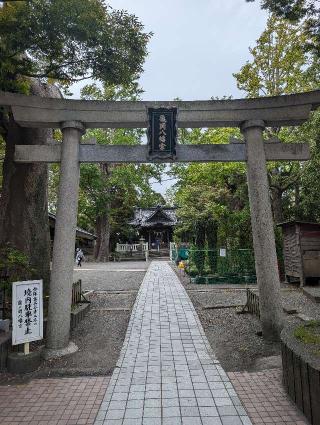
148	217
299	222
82	233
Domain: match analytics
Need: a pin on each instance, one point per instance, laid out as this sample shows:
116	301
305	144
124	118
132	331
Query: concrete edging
23	363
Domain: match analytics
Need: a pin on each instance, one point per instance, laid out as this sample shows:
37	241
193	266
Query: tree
306	205
108	193
46	41
24	212
307	11
279	65
212	193
68	41
114	189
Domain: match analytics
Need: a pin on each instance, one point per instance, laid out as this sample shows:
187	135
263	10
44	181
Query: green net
221	265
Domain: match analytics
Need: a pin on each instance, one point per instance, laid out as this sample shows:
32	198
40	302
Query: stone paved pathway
167	373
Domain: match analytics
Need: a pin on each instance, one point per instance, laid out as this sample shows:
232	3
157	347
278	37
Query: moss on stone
308	333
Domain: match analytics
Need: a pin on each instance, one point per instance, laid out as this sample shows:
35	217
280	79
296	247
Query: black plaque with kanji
162	133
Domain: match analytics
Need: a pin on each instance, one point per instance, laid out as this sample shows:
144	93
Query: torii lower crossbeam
233	152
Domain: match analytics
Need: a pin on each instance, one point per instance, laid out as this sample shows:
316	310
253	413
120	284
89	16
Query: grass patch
309	333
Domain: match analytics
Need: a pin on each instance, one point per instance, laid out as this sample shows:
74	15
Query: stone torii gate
73	117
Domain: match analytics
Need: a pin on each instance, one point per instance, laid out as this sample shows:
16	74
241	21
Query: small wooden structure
84	239
301	250
252	306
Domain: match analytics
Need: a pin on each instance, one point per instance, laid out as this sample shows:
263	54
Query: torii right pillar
271	313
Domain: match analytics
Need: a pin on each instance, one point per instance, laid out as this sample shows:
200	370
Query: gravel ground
124	275
234	337
101	333
99	336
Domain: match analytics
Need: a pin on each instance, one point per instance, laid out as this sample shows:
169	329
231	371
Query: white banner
27	311
223	252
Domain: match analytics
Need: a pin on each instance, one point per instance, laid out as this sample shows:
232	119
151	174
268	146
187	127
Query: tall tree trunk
276	203
297	199
98	240
24	199
103	226
104	247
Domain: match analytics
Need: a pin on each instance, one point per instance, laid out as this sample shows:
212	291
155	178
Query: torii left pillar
64	242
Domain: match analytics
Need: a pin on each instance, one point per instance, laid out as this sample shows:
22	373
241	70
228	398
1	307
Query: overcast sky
196	45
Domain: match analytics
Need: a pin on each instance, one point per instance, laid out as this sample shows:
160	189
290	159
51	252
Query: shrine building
155	225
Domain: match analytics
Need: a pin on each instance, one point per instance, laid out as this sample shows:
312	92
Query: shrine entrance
73	117
155	225
159	239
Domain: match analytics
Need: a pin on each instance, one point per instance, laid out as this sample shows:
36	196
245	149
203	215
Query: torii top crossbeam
35	111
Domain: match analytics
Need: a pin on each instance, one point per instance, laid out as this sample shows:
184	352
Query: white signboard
27	311
223	252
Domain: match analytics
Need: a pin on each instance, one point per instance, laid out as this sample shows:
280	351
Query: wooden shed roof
292	222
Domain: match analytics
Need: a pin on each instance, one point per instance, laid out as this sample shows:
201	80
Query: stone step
161	253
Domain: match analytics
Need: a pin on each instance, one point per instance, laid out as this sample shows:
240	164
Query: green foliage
279	63
212	237
215	192
306	11
68	41
14	266
237	266
128	91
199	255
2	154
307	205
117	188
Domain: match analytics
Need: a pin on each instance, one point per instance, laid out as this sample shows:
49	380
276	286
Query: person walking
79	257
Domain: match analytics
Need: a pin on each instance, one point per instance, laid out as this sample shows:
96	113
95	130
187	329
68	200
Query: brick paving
265	399
167	373
58	401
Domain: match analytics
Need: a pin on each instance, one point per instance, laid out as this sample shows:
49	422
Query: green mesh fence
229	266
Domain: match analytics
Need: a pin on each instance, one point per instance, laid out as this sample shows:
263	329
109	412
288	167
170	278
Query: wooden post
263	231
